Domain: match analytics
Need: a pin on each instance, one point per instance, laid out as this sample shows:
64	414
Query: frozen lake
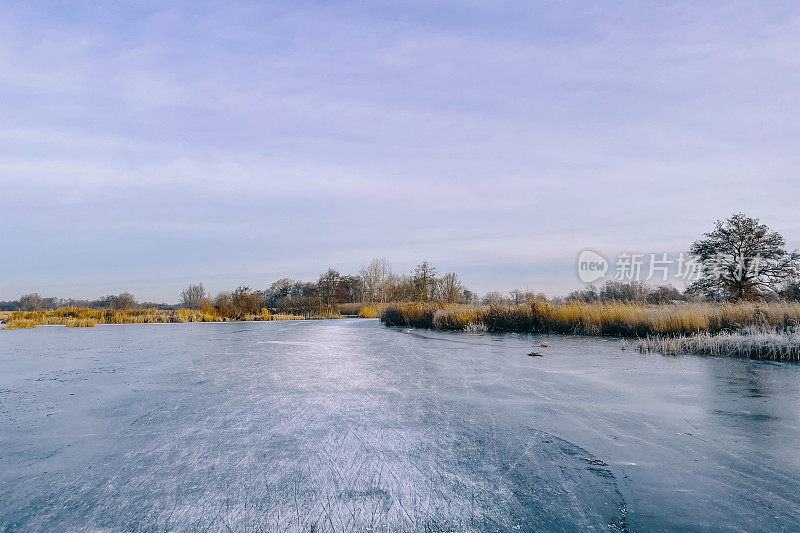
349	425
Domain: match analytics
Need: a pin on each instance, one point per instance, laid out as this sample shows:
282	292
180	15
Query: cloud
149	143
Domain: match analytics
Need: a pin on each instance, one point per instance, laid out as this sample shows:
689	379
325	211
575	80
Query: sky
148	145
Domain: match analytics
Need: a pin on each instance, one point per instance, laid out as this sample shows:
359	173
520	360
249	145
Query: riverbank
755	343
613	318
702	328
83	317
756	330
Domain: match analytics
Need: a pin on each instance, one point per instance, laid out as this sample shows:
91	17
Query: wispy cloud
155	145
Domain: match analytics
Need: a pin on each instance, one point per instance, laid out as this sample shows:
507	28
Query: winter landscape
419	266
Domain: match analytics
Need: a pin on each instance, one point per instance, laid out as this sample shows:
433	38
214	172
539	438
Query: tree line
123	301
741	259
376	282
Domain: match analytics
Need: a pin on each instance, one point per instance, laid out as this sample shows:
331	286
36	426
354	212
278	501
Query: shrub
244	302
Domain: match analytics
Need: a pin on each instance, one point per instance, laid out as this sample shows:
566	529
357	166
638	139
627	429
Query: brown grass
415	315
361	309
20	323
80	323
614	318
351	309
83	317
370	311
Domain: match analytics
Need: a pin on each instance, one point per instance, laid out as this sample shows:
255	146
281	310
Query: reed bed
761	343
351	309
414	315
757	330
80	323
82	317
361	309
326	315
370	311
614	318
20	323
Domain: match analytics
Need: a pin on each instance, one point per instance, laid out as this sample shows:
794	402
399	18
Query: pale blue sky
149	145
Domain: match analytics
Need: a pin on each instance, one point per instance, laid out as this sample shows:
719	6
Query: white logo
591	266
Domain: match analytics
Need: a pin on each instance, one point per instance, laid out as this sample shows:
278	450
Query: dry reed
614	318
370	311
80	323
83	317
20	323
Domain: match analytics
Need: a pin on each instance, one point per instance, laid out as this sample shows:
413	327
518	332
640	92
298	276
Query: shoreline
752	330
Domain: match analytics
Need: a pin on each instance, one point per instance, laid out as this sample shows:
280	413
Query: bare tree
664	294
376	275
280	290
122	301
328	286
424	281
193	296
399	288
31	302
350	289
493	297
743	259
469	296
450	288
244	301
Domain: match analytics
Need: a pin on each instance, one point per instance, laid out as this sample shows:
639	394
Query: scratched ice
350	426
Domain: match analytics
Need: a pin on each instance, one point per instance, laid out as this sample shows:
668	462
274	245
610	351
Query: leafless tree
518	297
123	301
193	296
493	297
328	285
450	289
376	275
244	301
31	302
424	281
350	289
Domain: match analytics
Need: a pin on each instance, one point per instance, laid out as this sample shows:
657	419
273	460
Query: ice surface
349	425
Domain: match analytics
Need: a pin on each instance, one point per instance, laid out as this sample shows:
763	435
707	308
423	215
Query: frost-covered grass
286	316
756	343
475	328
